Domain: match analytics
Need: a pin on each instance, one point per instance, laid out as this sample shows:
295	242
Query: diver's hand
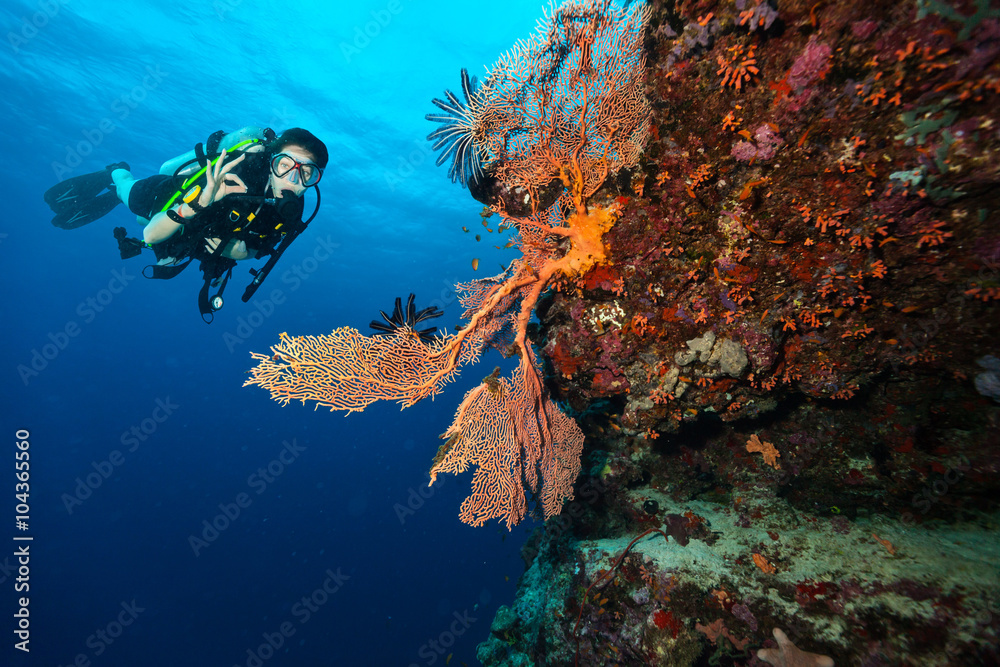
219	182
235	250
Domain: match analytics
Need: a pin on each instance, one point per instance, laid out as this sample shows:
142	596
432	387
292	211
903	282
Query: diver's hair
296	136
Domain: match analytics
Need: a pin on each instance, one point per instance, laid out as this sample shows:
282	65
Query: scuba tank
186	164
185	169
251	141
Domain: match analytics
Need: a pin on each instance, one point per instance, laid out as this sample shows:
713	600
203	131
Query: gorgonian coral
570	94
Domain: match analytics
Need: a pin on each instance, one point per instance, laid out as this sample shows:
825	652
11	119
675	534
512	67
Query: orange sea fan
770	454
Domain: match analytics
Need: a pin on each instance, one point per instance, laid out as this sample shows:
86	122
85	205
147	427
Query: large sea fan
566	102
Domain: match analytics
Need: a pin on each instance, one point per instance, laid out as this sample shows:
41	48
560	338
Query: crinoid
456	138
407	318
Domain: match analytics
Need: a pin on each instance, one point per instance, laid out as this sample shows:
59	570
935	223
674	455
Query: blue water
114	578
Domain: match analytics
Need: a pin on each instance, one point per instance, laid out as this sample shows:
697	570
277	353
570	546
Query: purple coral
767	145
813	61
767	142
744	151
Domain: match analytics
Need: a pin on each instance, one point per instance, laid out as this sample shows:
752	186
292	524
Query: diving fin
80	200
87	211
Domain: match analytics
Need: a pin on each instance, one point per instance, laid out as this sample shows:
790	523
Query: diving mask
305	173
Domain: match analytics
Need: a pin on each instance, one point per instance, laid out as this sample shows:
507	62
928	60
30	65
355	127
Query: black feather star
457	134
407	320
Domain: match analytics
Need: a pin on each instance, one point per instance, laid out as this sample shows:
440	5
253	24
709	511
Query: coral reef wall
789	362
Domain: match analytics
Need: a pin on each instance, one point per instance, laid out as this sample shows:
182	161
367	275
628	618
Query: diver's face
294	168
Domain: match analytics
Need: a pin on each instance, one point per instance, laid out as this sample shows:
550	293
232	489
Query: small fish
448	659
475	264
478	237
465	229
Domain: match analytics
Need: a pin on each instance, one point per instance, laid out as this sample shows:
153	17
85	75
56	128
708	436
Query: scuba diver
238	196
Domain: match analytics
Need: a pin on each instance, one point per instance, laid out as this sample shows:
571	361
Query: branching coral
571	95
567	104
